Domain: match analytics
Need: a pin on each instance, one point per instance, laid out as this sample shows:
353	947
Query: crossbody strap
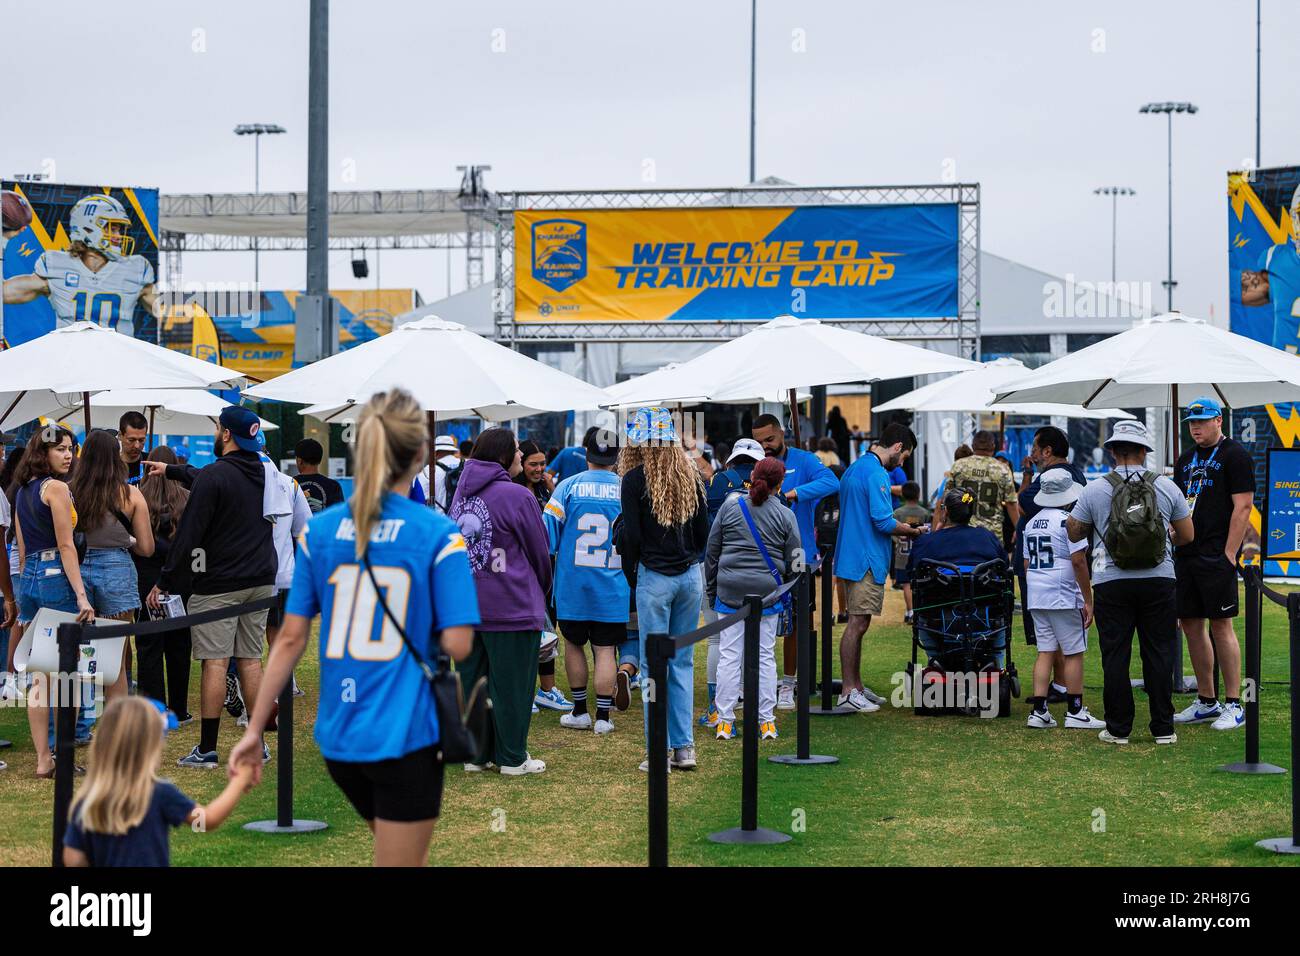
383	603
762	548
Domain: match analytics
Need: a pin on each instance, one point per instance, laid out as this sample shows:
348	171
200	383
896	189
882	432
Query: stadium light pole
753	81
1257	84
257	131
1169	109
1114	192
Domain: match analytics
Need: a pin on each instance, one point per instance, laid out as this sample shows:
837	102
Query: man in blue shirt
864	551
807	482
573	460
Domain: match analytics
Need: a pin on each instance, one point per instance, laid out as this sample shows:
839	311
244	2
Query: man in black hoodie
223	554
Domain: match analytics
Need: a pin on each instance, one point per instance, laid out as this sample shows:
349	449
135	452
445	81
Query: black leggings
156	654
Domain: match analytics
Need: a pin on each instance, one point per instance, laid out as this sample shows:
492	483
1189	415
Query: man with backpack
446	475
1134	513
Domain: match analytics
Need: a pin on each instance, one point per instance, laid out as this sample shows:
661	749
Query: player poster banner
89	252
1264	296
713	264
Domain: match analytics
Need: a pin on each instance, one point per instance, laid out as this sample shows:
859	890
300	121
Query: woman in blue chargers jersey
377	724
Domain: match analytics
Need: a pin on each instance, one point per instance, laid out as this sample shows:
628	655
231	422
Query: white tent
171	411
783	354
71	363
451	371
974	392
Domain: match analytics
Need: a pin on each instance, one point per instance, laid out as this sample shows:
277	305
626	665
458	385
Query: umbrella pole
794	417
149	443
85	409
433	439
1002	429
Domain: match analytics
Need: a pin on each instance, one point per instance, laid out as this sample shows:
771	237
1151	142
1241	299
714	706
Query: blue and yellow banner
651	265
1264	297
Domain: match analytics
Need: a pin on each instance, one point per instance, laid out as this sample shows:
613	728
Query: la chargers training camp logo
559	252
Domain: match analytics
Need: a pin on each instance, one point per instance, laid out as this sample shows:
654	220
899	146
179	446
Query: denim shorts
110	580
43	584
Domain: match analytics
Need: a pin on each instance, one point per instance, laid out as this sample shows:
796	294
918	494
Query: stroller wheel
1015	685
1004	696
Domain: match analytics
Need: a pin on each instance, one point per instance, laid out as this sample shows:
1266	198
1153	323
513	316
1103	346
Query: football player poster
84	253
1264	295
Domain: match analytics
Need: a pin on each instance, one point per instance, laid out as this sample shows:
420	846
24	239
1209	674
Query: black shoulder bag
462	725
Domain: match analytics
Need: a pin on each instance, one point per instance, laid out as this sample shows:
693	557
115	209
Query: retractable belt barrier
72	635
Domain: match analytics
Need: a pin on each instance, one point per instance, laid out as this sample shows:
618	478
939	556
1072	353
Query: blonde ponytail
390	434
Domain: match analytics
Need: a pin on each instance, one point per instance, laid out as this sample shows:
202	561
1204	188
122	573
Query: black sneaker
1055	696
234	699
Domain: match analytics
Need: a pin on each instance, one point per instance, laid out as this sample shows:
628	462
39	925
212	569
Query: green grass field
907	791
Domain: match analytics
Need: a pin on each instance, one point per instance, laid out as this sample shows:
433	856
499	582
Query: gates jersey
589	582
375	703
106	297
1049	573
1282	263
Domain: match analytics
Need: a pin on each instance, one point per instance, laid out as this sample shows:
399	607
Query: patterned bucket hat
651	425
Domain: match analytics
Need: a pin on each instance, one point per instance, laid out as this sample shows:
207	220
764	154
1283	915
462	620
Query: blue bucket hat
651	425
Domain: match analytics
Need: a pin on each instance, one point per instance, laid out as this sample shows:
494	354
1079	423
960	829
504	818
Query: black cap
600	451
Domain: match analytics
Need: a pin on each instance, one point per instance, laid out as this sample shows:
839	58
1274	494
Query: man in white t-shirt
446	460
1059	595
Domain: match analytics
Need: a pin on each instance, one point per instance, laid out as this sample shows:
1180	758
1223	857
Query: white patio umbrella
788	353
450	370
974	392
636	386
171	411
72	363
1163	360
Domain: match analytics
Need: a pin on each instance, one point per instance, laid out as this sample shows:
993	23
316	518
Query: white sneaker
580	722
242	720
1083	721
872	696
1167	739
1106	737
858	701
530	765
1233	716
1199	713
602	726
8	687
645	764
1040	720
683	758
479	767
785	696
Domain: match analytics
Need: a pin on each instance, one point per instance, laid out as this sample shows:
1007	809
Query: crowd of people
499	554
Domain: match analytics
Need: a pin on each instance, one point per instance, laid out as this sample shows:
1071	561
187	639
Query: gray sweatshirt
733	566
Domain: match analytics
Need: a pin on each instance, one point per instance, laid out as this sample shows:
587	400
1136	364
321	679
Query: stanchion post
1254	629
749	831
658	649
63	693
803	618
827	707
1291	844
284	821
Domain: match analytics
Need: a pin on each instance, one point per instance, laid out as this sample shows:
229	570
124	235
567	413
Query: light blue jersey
1282	263
375	703
589	582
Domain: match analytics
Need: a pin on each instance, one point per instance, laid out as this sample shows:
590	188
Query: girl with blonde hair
123	812
386	575
665	529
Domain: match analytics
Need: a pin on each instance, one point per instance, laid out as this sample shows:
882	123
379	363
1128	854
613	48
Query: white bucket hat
1057	487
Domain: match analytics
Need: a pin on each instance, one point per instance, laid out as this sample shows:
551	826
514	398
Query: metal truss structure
963	327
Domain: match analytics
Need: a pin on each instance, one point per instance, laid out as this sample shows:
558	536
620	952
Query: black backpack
826	521
451	479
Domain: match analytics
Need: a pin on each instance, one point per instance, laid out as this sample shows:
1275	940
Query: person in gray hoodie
735	567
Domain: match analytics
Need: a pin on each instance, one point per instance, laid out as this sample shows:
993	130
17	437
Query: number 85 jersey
106	297
589	582
1049	573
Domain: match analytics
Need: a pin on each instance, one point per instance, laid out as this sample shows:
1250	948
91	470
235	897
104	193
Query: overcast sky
1037	101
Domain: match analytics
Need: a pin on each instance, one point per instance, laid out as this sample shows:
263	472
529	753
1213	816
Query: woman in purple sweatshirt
510	556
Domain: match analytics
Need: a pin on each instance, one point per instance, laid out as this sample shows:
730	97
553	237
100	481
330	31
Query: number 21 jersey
589	582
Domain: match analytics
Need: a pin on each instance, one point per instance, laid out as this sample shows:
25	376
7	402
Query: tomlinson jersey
106	297
375	703
1049	573
1282	263
589	582
990	482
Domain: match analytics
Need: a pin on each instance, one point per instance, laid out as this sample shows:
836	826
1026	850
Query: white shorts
1060	629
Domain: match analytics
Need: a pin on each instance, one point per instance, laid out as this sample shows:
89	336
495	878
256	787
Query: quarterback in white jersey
96	279
1060	597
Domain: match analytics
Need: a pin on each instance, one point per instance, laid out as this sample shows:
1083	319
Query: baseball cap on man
600	450
245	427
1057	487
1132	431
746	448
1202	410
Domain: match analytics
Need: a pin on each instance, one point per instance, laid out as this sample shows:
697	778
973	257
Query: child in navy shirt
123	813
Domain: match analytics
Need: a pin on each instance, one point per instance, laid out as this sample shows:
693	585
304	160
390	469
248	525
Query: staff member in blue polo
807	482
864	551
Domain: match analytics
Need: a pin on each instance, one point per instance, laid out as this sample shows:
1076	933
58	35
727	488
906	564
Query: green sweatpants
509	661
